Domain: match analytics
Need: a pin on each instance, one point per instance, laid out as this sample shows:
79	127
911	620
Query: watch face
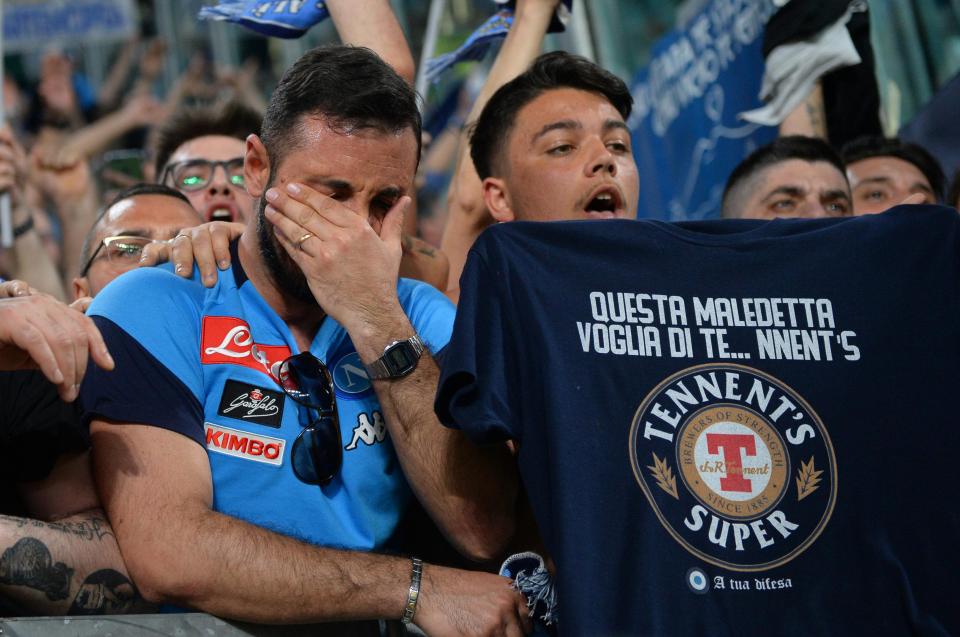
400	359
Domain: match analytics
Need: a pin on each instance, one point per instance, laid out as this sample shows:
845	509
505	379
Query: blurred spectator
14	103
27	259
56	103
200	152
792	176
885	171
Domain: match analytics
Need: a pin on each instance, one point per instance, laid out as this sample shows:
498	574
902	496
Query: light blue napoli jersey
203	362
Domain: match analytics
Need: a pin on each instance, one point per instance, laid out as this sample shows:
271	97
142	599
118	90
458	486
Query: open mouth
220	213
605	203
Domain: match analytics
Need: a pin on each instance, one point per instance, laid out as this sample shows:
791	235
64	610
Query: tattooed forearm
89	578
105	592
93	527
28	563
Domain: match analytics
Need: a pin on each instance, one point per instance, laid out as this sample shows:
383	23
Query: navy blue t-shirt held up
726	428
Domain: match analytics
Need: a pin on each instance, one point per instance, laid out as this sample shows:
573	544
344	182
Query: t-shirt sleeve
36	427
430	312
150	322
477	391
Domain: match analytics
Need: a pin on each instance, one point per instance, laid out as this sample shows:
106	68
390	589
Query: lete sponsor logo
227	340
244	444
250	403
737	466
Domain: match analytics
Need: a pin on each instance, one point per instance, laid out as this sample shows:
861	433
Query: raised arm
469	491
140	110
467	214
372	23
809	117
71	188
156	488
31	262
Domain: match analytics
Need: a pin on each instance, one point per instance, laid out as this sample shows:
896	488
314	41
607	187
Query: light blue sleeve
430	312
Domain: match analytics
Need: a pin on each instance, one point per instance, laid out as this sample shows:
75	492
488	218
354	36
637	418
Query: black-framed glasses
317	453
194	174
121	251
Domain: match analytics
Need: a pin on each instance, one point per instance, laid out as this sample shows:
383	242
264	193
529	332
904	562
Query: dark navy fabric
203	363
149	395
36	428
796	478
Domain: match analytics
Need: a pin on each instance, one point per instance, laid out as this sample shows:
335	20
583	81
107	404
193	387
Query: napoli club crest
737	466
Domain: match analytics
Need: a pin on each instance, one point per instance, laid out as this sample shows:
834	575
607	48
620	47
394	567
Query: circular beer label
737	466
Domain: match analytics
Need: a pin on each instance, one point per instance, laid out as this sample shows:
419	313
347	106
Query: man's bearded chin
286	275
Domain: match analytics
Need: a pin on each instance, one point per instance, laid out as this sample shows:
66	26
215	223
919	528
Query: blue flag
687	137
278	19
490	32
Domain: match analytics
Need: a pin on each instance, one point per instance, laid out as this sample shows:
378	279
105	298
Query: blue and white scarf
494	29
278	19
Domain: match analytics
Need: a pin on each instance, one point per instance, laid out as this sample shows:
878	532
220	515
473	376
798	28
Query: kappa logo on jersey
736	465
350	376
226	339
250	403
243	444
370	430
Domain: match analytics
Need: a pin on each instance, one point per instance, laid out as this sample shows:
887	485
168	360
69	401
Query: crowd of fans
285	224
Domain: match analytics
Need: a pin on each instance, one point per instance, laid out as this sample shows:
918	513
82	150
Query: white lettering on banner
666	325
689	67
32	25
244	444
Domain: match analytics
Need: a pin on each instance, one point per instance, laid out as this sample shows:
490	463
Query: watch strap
23	228
379	370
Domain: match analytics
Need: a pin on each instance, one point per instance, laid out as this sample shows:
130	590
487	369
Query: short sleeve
36	427
477	389
149	319
430	312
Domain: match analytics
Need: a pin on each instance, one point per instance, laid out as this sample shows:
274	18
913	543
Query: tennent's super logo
737	466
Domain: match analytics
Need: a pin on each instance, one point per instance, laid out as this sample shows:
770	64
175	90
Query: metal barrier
180	625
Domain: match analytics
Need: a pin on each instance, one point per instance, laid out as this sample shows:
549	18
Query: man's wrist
534	11
413	593
399	359
371	333
23	228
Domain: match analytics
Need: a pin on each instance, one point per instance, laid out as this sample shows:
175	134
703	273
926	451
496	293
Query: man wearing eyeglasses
141	215
261	439
200	153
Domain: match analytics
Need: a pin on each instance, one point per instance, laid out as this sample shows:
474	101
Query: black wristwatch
399	359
